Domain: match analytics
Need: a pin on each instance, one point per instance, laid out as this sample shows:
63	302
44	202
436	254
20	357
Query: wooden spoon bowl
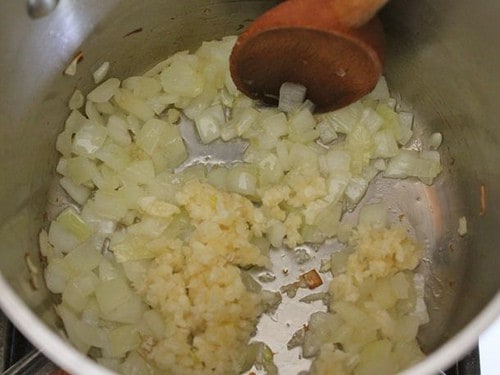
332	47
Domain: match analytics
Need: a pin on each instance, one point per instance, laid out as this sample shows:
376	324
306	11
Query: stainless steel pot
443	61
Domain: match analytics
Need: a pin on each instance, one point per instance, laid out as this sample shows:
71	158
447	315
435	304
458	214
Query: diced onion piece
276	233
406	124
118	302
181	78
101	72
326	132
381	90
321	296
144	87
335	161
123	339
265	360
241	180
244	119
57	275
302	127
114	156
462	226
93	113
83	259
105	91
150	135
371	120
291	96
307	105
336	186
81	170
338	261
74	224
218	177
136	272
62	239
76	101
46	249
134	364
77	291
134	105
319	331
425	166
197	105
155	207
71	68
139	172
78	193
209	123
345	119
173	115
380	164
108	205
171	151
105	108
420	308
270	170
89	139
386	145
155	323
435	140
82	334
356	189
275	126
118	131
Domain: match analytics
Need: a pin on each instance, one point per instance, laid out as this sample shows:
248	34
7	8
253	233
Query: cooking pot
442	62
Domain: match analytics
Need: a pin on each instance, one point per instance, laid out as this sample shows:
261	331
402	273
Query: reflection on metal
40	8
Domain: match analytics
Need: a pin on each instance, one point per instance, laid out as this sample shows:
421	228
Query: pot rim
463	342
40	335
73	361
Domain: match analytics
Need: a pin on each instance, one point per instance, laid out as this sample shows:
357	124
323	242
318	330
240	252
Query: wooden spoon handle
354	13
344	14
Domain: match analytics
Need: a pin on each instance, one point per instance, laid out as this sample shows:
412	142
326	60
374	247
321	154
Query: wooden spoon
335	48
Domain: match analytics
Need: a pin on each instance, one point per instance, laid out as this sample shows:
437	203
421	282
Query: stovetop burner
19	357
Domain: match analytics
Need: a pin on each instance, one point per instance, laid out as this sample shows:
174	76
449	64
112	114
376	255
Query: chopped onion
291	96
327	133
118	131
105	91
425	166
118	302
242	180
435	140
300	173
462	226
381	90
76	101
101	72
133	105
78	193
74	225
89	139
